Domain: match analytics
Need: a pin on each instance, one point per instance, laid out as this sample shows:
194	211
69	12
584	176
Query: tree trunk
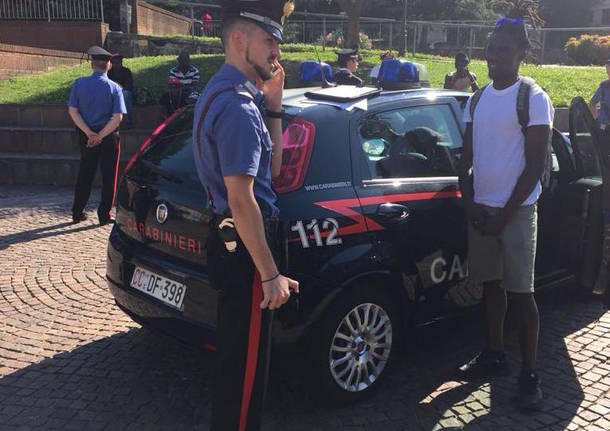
352	31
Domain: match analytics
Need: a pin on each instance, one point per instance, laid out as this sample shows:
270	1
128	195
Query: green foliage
150	75
567	13
588	49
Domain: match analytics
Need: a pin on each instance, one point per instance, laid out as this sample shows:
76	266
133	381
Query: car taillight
148	140
297	145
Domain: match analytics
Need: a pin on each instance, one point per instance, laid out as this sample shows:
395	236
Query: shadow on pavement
43	232
145	381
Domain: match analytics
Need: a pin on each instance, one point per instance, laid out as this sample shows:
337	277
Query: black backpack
523	114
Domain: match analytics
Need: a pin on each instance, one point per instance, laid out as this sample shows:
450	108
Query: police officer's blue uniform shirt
602	96
97	98
233	140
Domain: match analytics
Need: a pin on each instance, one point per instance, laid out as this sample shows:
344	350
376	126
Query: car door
407	184
571	212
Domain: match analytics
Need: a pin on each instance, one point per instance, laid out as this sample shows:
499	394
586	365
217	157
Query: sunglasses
509	21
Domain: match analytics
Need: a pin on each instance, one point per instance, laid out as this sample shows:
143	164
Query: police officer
348	60
237	149
96	107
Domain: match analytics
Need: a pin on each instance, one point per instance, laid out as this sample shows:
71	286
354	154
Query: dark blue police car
371	226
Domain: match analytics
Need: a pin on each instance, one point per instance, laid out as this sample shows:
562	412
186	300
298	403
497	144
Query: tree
352	9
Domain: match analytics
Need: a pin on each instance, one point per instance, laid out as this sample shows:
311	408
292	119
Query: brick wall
152	20
61	35
27	59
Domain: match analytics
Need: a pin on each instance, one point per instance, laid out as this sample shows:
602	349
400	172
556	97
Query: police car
372	226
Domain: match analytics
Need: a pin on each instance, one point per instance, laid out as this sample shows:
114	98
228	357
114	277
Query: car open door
579	116
587	192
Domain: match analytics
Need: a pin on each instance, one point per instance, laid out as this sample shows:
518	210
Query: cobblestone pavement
70	359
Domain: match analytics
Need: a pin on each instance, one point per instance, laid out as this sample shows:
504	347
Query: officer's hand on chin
277	291
273	88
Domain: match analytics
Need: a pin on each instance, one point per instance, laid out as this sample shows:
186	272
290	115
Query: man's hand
273	88
277	291
93	139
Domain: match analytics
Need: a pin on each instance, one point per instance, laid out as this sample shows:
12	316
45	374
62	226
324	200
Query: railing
52	10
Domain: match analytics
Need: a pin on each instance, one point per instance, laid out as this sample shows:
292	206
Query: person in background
96	107
122	76
185	72
462	79
206	22
602	98
348	60
386	55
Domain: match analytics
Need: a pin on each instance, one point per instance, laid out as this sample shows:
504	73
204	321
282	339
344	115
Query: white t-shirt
498	142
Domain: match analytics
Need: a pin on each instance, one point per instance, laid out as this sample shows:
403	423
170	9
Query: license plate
168	291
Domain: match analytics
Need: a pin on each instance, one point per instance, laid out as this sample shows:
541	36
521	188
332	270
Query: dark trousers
107	155
244	339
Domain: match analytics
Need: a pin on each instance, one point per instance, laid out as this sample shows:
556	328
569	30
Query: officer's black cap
349	54
98	53
268	14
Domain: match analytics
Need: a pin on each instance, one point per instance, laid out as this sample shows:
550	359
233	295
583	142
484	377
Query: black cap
349	54
98	53
268	14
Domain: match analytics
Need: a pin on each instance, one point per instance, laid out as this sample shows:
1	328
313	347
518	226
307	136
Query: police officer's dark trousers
107	155
243	340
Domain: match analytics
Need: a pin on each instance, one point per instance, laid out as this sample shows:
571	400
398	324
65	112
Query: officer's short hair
230	24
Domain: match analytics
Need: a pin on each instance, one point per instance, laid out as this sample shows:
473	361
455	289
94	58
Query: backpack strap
205	110
523	102
474	100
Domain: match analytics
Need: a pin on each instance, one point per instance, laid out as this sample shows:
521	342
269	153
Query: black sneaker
106	221
77	218
486	364
530	392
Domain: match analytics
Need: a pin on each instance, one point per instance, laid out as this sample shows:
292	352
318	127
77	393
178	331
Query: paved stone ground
69	359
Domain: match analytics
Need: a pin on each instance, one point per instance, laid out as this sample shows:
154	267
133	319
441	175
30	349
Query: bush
588	49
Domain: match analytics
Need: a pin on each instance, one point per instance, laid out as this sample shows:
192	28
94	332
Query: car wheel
354	344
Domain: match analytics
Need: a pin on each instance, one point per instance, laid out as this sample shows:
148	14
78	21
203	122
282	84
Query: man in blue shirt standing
237	135
602	98
96	107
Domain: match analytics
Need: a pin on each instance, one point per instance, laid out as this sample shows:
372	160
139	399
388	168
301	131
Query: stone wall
152	20
23	59
72	36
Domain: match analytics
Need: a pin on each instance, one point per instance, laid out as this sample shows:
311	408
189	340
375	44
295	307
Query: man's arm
536	142
78	121
249	224
475	213
593	103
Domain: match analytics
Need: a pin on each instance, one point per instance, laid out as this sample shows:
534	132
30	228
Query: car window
419	141
171	154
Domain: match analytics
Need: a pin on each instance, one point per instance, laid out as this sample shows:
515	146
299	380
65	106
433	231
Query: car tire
350	360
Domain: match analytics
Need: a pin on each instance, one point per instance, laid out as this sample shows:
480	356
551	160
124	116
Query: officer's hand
93	140
273	88
277	291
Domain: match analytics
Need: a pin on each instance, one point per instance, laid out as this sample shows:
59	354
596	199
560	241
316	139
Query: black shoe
530	392
106	221
77	218
486	364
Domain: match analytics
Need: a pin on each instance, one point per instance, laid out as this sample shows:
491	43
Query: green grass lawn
150	73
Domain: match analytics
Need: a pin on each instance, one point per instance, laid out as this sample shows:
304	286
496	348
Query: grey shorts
508	257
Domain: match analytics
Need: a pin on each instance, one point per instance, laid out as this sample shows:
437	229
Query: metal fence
52	10
447	38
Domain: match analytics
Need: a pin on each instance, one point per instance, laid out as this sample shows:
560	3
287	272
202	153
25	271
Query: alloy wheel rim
360	347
